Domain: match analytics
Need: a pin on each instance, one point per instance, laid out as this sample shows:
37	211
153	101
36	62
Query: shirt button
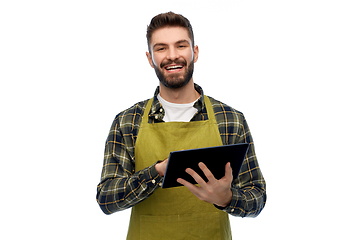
160	184
161	110
153	181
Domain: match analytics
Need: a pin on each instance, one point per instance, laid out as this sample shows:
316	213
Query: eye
159	48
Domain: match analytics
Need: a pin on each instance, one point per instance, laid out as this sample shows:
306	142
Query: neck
185	94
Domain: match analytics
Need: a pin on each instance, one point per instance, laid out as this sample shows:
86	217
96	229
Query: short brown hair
169	19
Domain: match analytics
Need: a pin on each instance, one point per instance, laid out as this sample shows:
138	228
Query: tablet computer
215	158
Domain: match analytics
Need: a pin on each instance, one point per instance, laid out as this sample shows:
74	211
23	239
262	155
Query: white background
68	67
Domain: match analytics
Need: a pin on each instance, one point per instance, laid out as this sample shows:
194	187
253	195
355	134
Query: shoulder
231	123
224	112
131	115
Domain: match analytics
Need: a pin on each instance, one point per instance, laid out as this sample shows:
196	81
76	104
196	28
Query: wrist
227	200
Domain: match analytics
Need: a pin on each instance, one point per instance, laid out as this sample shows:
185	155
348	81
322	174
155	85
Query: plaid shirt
121	187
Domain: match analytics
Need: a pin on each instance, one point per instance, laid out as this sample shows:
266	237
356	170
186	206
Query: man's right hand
161	167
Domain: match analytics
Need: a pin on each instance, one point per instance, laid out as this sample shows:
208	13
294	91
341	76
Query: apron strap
209	109
147	110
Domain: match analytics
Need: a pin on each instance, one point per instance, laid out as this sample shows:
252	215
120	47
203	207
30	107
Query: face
172	56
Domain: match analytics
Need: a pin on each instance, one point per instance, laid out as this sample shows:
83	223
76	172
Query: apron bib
175	213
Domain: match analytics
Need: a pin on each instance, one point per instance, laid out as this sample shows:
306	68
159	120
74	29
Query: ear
196	53
148	55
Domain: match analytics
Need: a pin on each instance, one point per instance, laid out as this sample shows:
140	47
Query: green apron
175	213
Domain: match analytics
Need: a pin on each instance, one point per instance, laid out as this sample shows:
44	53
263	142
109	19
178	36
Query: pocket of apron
179	227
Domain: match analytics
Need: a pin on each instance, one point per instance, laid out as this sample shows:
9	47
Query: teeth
173	67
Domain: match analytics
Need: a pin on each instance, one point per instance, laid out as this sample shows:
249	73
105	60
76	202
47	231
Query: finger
228	172
207	172
190	186
228	177
195	176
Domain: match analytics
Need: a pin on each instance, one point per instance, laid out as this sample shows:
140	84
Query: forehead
170	35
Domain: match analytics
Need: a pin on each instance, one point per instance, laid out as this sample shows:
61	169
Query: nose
172	53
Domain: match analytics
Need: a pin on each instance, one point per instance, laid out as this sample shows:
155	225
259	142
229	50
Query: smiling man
172	57
179	116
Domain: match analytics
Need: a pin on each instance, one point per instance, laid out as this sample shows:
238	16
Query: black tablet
215	158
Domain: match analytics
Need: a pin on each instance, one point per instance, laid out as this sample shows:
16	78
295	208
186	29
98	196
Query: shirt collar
157	112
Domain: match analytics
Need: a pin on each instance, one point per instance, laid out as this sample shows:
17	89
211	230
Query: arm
120	186
249	189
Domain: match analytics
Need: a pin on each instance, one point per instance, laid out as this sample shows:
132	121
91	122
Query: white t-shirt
175	112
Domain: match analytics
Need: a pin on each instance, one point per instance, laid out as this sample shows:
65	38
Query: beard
177	80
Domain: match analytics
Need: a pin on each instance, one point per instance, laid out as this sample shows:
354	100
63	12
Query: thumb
228	171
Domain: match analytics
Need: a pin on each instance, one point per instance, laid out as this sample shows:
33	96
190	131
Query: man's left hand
214	191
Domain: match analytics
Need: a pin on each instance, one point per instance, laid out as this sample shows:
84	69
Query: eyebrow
178	42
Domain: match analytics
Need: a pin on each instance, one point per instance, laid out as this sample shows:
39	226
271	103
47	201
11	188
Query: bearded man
178	117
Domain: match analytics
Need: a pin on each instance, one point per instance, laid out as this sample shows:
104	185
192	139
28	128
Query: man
179	116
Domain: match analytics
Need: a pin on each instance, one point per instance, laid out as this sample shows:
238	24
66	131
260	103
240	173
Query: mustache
183	62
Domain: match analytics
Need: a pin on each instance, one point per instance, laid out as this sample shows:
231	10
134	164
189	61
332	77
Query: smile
174	68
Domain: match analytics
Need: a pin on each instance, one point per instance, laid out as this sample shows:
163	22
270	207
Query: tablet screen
215	158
